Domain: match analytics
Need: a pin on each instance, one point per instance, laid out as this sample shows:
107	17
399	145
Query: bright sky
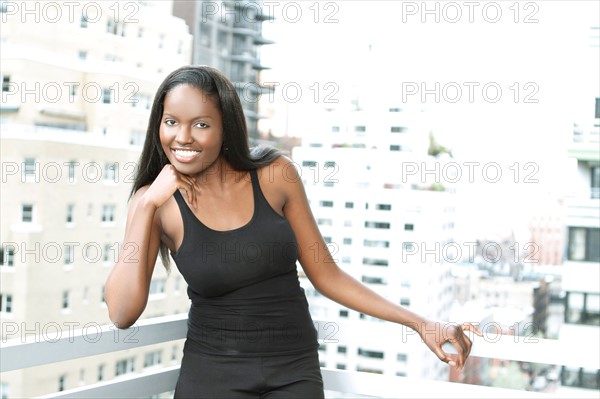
551	58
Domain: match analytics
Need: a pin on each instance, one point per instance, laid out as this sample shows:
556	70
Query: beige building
78	81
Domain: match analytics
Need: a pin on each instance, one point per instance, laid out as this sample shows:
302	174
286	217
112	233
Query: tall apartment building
78	81
581	275
228	36
385	227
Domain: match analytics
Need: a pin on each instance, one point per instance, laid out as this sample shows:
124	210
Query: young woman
236	222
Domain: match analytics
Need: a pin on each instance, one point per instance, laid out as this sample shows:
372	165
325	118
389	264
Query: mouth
184	155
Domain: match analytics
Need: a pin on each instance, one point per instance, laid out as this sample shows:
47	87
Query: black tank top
243	284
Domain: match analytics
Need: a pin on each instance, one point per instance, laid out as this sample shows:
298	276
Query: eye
201	125
169	122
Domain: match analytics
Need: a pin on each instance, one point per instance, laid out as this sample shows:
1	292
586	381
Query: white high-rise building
386	223
78	80
581	275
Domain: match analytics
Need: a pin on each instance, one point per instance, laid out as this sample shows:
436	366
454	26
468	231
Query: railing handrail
35	350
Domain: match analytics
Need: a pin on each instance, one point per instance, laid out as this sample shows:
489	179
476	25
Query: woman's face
191	130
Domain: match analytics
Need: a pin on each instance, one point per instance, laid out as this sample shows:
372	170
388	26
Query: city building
581	275
228	36
78	80
384	226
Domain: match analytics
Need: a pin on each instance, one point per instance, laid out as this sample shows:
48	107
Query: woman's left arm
333	282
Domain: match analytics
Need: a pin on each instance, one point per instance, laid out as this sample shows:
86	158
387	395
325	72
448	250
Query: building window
335	129
595	172
83	21
27	213
347	241
349	205
377	225
371	354
30	170
383	207
395	147
108	213
326	204
309	164
375	262
152	359
69	254
157	286
61	382
405	301
343	313
397	129
584	244
324	222
82	55
106	254
174	352
3	390
402	357
582	308
408	246
70	212
360	129
580	378
111	172
124	366
373	280
137	138
65	300
6	83
71	172
395	110
7	256
409	227
102	295
376	243
161	40
106	96
5	303
340	366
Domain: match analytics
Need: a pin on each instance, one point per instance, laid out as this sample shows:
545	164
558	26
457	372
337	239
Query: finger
191	194
188	187
443	356
472	328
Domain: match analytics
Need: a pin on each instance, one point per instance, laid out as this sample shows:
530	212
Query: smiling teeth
186	153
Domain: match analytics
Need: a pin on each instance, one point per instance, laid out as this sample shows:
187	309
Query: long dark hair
217	87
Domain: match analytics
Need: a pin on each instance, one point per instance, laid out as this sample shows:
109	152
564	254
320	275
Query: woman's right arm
128	284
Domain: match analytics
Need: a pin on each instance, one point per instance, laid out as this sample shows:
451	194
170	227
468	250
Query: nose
184	135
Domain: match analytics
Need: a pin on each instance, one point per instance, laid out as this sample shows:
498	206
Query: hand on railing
435	334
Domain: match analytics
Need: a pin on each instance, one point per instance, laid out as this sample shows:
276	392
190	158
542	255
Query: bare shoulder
282	173
280	182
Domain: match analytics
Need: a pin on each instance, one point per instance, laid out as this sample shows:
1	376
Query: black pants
268	377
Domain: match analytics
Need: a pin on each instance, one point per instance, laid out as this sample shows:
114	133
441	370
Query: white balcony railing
33	351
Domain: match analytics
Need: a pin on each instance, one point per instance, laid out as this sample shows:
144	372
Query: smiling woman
250	334
191	132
